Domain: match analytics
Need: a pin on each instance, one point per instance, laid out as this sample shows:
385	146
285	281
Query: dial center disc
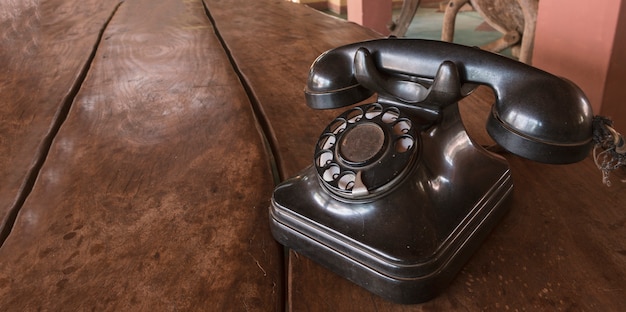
362	142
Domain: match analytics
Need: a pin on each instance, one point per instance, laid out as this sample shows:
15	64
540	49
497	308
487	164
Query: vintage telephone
398	196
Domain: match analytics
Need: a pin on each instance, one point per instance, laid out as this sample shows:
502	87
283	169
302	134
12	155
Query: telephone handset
398	196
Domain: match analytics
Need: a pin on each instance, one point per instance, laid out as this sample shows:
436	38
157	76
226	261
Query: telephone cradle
398	196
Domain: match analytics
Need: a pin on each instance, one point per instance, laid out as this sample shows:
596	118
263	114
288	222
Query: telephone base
407	281
399	197
408	242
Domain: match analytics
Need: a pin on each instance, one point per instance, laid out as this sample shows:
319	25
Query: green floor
427	24
469	27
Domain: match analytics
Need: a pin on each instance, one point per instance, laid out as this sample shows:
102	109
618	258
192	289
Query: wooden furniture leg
517	24
529	8
449	17
399	27
507	40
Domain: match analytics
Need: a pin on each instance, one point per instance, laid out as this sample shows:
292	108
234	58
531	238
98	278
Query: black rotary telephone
398	196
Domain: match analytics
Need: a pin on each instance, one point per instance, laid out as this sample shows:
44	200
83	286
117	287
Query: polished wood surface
561	247
155	191
273	43
41	63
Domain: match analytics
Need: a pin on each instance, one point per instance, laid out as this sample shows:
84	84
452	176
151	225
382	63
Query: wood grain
561	247
154	194
44	48
273	44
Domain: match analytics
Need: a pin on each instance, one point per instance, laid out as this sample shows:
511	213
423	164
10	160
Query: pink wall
614	99
374	14
574	39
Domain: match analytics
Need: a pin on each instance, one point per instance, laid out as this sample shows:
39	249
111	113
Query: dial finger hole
338	126
390	115
354	115
402	127
327	141
404	144
373	111
331	173
324	158
346	182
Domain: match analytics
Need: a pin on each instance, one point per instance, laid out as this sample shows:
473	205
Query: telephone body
399	196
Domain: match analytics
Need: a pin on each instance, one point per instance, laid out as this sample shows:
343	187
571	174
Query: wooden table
136	175
154	192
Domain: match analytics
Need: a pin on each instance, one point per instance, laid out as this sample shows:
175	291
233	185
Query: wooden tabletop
41	67
141	140
562	246
154	192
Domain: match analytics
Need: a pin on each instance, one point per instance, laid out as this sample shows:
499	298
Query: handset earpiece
536	115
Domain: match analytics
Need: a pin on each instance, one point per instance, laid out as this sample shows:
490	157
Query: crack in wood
43	149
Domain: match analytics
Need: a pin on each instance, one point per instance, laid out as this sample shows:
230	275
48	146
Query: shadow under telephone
399	196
